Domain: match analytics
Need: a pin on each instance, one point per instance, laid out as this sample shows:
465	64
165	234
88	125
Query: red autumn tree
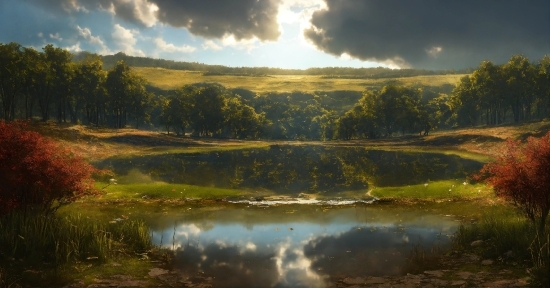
521	174
35	171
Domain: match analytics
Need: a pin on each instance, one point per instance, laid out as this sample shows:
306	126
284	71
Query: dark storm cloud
433	33
243	19
213	19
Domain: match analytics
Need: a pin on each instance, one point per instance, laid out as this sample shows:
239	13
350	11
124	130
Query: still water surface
298	246
291	169
240	245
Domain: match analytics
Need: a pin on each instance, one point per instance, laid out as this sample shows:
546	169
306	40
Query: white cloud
125	39
298	13
211	45
434	51
86	33
56	37
168	47
146	12
250	246
72	5
75	48
292	11
244	44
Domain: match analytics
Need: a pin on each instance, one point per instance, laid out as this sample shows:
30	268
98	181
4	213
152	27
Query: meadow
167	79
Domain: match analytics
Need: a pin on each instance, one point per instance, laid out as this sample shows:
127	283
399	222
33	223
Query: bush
521	175
35	171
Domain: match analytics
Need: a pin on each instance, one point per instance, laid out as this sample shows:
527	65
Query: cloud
242	19
166	47
137	11
432	33
211	45
56	36
86	33
74	48
125	39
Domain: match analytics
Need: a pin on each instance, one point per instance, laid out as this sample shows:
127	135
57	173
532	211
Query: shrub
35	171
521	174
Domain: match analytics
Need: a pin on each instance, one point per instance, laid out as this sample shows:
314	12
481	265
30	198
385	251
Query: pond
293	169
245	243
297	246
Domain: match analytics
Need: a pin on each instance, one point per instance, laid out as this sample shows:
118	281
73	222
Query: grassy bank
510	240
435	191
48	250
161	191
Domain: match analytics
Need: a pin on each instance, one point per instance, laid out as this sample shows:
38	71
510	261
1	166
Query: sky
297	34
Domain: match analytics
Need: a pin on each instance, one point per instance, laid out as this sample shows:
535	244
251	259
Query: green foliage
517	91
48	84
509	239
328	72
383	113
434	190
49	241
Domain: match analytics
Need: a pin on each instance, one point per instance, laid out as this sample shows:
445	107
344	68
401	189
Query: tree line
50	84
327	72
494	94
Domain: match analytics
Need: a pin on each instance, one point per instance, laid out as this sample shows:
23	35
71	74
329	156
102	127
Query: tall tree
11	78
62	72
519	75
127	95
89	84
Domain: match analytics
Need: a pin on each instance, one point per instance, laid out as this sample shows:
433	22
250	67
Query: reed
509	238
33	239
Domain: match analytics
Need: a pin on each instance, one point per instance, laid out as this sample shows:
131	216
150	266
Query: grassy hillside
173	79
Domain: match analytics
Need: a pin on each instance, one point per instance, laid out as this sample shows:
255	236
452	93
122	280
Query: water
306	242
295	169
298	246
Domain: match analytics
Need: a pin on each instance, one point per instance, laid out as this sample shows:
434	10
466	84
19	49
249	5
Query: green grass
38	247
161	191
461	153
161	150
502	231
435	190
175	79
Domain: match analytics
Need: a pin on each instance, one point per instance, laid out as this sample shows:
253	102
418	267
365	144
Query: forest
54	84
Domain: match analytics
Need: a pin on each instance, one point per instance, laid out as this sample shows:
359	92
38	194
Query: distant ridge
216	70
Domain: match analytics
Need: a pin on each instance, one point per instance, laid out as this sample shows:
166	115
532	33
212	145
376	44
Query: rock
435	273
458	283
157	272
508	254
354	281
476	243
487	262
464	274
375	280
471	257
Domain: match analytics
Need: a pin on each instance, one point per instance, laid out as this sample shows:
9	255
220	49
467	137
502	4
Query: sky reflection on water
312	249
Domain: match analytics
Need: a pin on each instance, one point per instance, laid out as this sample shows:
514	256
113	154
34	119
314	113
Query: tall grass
37	239
504	232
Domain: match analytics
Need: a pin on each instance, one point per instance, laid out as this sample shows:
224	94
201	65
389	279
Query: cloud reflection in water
297	253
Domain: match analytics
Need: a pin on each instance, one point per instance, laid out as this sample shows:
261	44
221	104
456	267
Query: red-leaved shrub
35	171
521	174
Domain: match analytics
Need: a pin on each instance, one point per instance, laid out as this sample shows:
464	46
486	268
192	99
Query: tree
11	75
62	72
521	174
89	83
36	172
